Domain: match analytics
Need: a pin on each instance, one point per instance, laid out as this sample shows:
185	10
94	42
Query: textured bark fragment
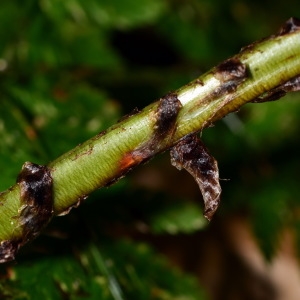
292	85
231	69
36	209
291	25
166	116
192	155
231	73
37	200
8	249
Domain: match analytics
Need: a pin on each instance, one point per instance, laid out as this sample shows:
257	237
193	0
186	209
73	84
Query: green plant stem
105	158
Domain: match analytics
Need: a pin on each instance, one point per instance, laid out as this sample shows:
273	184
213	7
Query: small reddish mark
129	160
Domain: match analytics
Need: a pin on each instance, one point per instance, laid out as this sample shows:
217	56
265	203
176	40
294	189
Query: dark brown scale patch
292	85
231	73
231	70
35	182
191	154
36	210
291	25
8	249
166	116
271	95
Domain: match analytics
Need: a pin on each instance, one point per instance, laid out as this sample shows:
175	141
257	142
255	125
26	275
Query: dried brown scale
230	69
230	74
166	116
292	85
36	209
8	249
36	186
291	25
191	154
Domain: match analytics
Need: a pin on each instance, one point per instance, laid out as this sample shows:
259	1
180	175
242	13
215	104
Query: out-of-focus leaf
114	270
56	278
44	121
18	142
269	211
274	124
123	14
191	38
182	217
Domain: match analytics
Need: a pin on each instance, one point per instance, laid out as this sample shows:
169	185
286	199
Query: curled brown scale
291	25
191	154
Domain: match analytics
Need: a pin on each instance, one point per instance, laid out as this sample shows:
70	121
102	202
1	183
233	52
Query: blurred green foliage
113	271
70	69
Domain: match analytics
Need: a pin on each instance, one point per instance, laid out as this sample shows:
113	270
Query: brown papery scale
166	115
230	69
36	196
231	73
291	25
191	154
36	209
